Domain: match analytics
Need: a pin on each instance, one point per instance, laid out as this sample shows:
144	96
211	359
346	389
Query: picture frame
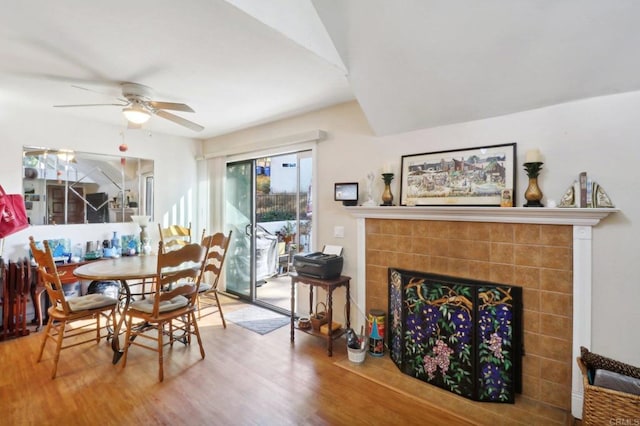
506	198
460	177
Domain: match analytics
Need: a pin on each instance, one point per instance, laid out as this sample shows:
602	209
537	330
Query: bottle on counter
115	244
115	241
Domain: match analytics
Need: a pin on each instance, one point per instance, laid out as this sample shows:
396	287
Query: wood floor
245	379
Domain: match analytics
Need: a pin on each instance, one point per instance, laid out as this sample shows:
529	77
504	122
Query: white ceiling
410	64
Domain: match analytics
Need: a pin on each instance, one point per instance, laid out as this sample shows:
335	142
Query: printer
324	265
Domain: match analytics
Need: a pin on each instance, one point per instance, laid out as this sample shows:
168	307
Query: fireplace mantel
582	221
545	216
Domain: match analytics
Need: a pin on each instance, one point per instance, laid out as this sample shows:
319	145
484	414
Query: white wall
175	169
598	135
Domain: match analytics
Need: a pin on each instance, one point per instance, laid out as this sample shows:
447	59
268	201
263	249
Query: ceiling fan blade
90	105
44	77
75	86
179	120
171	106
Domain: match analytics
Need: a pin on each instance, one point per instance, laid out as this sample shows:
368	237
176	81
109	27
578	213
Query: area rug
257	319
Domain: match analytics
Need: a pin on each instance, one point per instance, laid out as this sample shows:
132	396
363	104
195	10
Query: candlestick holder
387	196
533	194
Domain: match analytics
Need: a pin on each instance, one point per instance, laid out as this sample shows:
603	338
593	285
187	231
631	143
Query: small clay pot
304	323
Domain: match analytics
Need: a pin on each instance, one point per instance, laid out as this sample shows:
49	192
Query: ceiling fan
138	107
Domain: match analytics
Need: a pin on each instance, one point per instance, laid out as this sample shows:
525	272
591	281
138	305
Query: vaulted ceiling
410	64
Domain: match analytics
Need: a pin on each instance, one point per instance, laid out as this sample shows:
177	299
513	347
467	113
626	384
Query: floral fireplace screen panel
462	335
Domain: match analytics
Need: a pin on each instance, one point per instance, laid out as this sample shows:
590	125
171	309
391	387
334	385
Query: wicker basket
603	406
319	318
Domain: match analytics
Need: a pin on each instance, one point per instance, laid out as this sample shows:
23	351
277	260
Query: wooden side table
329	285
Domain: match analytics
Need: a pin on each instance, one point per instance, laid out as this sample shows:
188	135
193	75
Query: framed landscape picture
465	177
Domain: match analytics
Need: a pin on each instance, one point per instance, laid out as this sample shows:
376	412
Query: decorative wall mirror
62	186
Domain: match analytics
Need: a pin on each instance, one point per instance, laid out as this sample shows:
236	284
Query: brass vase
533	194
387	196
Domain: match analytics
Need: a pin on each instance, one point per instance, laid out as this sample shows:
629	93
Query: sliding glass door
239	217
269	208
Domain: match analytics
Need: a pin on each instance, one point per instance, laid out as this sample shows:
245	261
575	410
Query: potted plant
287	232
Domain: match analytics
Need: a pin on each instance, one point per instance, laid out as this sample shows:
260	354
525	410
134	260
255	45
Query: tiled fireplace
545	251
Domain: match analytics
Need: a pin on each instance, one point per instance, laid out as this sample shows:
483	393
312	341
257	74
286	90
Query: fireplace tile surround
499	253
541	250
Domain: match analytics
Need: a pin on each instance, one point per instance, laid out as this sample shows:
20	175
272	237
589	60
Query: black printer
318	265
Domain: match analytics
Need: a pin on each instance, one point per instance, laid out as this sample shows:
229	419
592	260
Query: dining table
124	270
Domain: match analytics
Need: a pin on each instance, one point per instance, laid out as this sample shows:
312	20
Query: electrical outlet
338	231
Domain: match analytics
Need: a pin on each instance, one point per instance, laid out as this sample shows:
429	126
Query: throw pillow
595	361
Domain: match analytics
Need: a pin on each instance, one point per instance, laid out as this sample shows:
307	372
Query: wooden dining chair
68	312
174	236
218	244
174	308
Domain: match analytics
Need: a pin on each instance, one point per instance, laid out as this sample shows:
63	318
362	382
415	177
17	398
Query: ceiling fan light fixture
136	114
138	107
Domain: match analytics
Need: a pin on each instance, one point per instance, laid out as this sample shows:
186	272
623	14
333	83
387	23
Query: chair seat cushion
204	287
146	305
90	301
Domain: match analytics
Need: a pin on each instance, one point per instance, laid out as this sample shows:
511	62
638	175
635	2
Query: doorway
65	206
269	209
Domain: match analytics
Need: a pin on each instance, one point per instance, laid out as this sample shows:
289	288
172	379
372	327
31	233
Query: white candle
533	156
386	168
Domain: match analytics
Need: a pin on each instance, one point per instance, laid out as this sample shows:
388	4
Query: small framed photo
506	200
28	205
463	177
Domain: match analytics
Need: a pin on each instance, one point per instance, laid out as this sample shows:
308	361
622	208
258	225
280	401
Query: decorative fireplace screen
462	335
